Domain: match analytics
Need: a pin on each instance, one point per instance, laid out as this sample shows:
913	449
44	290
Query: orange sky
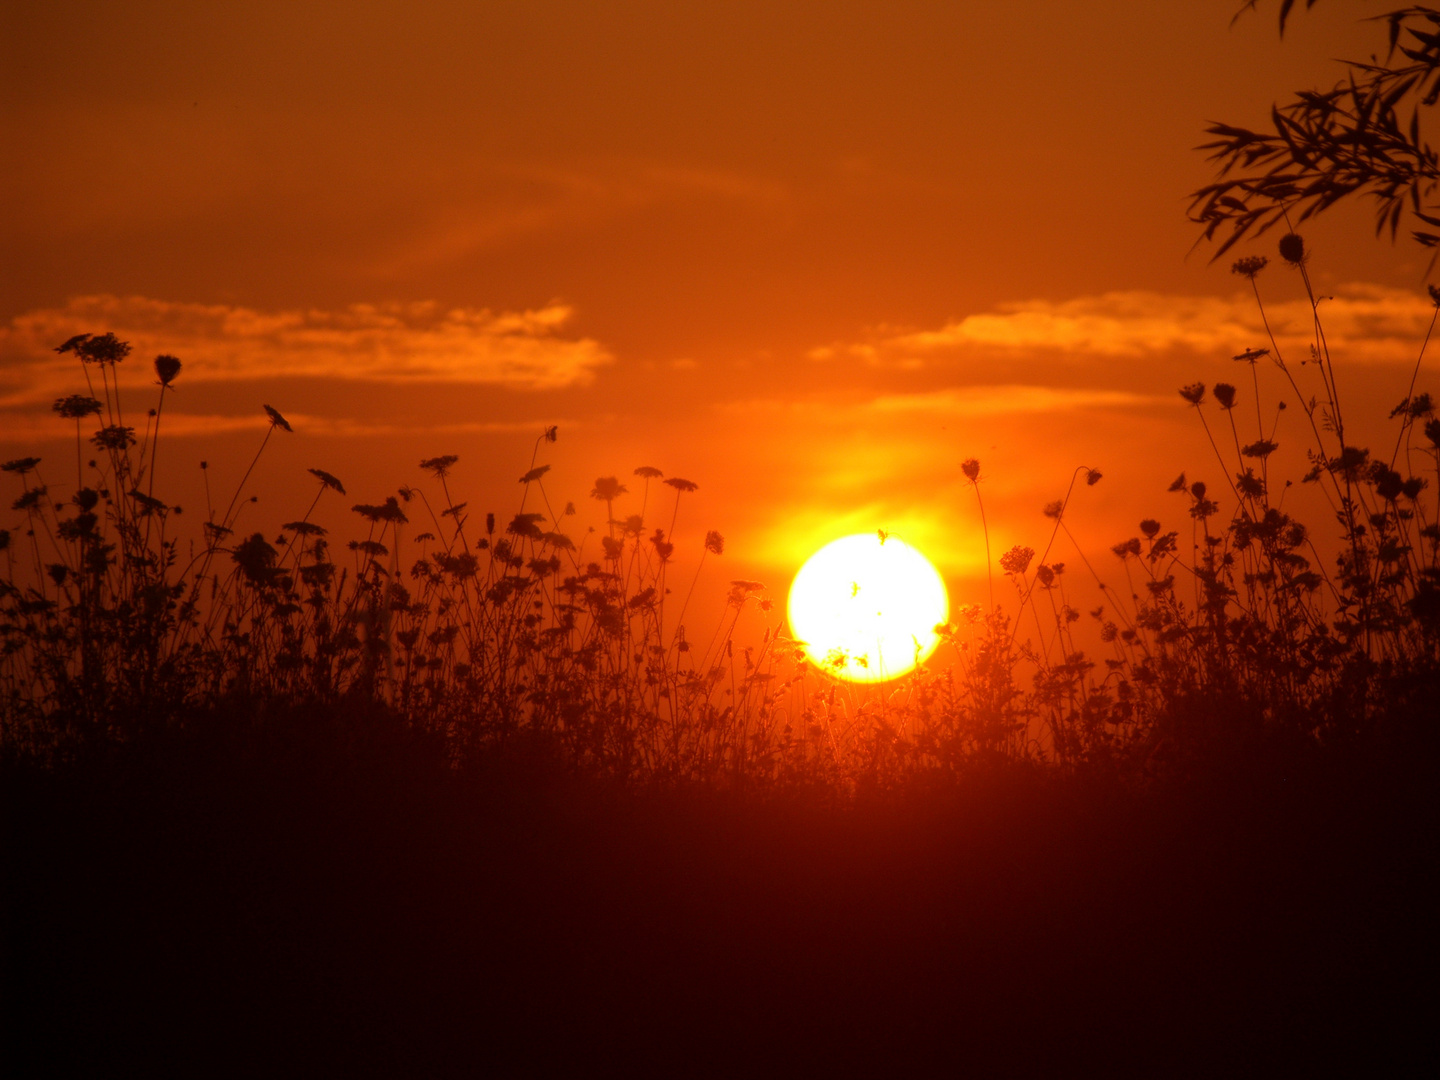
808	255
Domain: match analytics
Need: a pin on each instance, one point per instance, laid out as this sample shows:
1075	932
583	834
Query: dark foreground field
283	899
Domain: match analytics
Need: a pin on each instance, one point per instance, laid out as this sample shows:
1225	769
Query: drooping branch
1330	145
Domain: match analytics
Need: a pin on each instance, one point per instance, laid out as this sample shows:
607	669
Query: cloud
1364	323
995	400
1005	400
417	342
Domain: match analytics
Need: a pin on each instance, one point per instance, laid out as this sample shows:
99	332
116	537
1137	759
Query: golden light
867	606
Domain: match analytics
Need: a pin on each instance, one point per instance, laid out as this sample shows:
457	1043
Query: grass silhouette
477	634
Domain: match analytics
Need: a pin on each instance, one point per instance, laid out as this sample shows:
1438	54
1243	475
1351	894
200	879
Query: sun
867	607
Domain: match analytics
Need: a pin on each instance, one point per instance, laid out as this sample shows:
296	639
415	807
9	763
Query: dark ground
284	900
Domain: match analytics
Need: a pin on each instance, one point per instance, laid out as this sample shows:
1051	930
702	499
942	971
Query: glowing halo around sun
866	607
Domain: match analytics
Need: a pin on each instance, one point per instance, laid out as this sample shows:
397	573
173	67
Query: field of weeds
462	792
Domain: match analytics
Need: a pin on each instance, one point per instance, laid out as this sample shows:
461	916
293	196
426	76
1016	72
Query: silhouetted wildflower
1225	395
714	542
1194	393
1093	477
76	407
71	344
1178	484
21	466
648	472
682	485
1017	559
534	474
326	479
1292	248
1149	527
1053	510
1249	266
607	489
114	437
440	467
166	368
525	525
1260	449
256	559
303	528
276	420
971	468
1250	356
105	349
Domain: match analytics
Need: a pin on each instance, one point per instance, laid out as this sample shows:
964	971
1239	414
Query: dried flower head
1017	559
304	528
1093	477
76	407
714	543
1249	356
105	349
1249	266
1292	248
440	467
648	472
1149	527
276	420
1261	449
166	368
682	485
971	468
608	489
1194	393
22	466
71	344
327	480
1054	509
1225	395
114	437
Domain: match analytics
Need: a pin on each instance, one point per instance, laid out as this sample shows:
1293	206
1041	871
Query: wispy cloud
970	401
418	342
1005	400
1364	323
